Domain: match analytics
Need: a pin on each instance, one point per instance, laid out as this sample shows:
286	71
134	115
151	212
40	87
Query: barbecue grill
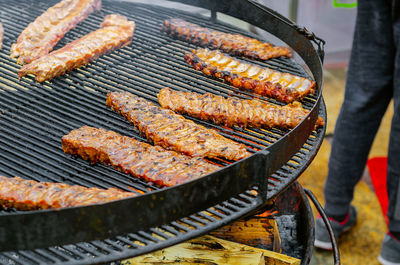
34	117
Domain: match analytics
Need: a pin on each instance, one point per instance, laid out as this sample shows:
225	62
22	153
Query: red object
377	167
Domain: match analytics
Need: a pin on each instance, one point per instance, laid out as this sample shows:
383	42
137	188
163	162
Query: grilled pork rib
172	131
233	111
234	44
284	87
31	195
142	160
116	31
1	35
42	35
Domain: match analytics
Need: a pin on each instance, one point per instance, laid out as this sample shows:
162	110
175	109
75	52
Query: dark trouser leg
369	88
393	174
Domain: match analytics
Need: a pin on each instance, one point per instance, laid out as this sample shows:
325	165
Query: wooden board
208	250
260	232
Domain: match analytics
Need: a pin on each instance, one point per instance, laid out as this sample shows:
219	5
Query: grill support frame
288	145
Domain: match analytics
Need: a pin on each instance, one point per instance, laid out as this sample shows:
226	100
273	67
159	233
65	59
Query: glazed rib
116	31
1	35
284	87
39	38
234	44
172	131
142	160
233	111
31	195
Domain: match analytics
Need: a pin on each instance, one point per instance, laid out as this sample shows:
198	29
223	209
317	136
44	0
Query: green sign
344	4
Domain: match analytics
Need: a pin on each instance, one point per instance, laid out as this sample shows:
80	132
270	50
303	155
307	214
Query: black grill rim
281	140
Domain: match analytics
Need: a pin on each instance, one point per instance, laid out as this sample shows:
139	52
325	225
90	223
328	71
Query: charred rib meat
31	195
234	44
116	31
233	111
172	131
142	160
284	87
1	35
42	35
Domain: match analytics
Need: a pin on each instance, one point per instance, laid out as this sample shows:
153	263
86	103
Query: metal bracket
263	178
213	16
312	37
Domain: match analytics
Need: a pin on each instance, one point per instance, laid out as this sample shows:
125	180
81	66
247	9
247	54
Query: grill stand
288	225
22	108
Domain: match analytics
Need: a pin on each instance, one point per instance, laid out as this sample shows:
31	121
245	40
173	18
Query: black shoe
390	252
322	239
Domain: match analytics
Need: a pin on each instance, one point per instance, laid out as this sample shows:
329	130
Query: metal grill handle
336	254
312	37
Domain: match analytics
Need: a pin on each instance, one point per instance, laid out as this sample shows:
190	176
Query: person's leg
393	173
390	251
369	88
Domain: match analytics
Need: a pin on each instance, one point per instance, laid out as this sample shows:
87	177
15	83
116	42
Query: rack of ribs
39	38
283	87
234	44
141	160
1	35
172	131
32	195
234	111
115	32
